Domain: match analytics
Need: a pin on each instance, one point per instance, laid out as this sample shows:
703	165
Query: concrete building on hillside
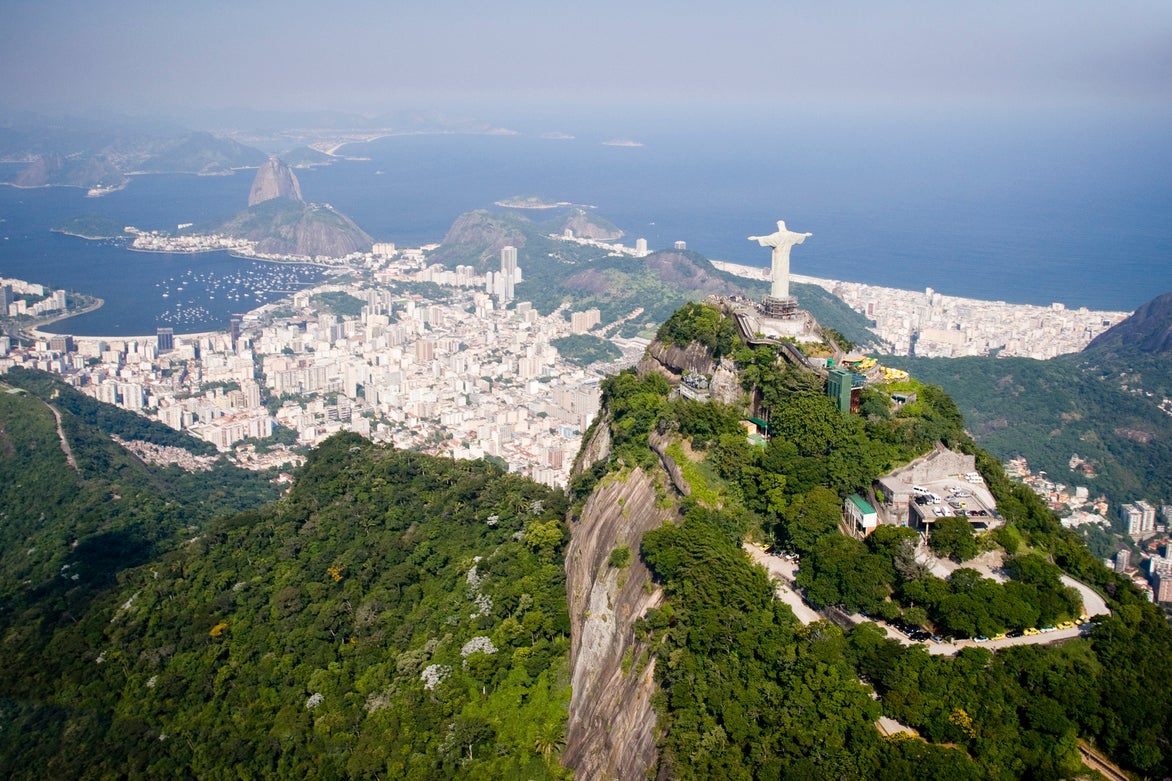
1161	581
844	387
1122	560
897	487
581	322
1140	518
860	516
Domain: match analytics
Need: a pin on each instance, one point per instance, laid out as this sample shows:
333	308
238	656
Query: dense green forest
67	530
339	303
395	616
106	417
92	226
585	349
747	692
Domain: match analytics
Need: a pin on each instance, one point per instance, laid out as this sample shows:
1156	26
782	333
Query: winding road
783	573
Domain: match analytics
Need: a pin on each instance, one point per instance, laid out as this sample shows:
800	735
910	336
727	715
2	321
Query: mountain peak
274	179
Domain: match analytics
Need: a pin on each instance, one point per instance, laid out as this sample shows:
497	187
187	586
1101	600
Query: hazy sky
374	56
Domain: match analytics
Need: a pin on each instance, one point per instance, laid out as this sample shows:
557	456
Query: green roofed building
861	515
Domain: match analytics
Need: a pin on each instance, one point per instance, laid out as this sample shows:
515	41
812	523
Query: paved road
1092	602
888	726
1096	761
783	573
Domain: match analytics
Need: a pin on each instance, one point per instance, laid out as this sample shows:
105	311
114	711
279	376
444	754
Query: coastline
285	261
36	332
65	232
761	273
507	205
930	324
289	261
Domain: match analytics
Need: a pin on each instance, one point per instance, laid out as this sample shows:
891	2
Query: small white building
860	515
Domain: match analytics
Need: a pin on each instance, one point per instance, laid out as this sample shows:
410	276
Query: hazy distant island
98	173
621	142
530	202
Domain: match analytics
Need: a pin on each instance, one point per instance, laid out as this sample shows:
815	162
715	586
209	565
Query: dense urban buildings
474	375
465	376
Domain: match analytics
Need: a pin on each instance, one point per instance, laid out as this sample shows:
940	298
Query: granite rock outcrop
274	179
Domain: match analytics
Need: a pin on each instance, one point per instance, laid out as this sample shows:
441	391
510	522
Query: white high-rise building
508	259
502	284
1140	517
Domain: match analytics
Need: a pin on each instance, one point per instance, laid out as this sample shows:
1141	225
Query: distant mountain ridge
106	158
558	271
201	153
73	171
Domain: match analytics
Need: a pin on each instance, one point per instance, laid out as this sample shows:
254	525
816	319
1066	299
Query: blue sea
1073	209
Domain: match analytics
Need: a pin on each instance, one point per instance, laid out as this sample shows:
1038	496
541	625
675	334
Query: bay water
1014	210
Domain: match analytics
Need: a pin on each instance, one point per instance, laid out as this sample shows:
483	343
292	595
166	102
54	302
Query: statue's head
781	225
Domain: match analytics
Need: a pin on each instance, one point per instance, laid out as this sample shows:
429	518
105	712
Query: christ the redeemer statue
781	243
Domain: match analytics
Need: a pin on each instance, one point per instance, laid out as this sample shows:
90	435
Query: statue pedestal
779	308
790	323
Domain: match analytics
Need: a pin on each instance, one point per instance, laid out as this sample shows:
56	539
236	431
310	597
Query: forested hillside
72	520
1050	410
1106	404
748	691
396	616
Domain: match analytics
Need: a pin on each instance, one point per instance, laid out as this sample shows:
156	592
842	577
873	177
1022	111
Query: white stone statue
781	243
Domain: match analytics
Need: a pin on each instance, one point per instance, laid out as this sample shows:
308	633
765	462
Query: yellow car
1031	632
1001	636
1066	625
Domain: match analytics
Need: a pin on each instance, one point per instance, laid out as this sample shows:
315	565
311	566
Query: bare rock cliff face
274	179
595	446
726	383
672	361
611	731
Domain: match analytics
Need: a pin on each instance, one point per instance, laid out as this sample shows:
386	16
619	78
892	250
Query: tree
953	537
809	517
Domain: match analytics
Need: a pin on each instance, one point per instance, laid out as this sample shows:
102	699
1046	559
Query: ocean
1012	209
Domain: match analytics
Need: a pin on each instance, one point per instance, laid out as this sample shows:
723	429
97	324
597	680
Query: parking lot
955	496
